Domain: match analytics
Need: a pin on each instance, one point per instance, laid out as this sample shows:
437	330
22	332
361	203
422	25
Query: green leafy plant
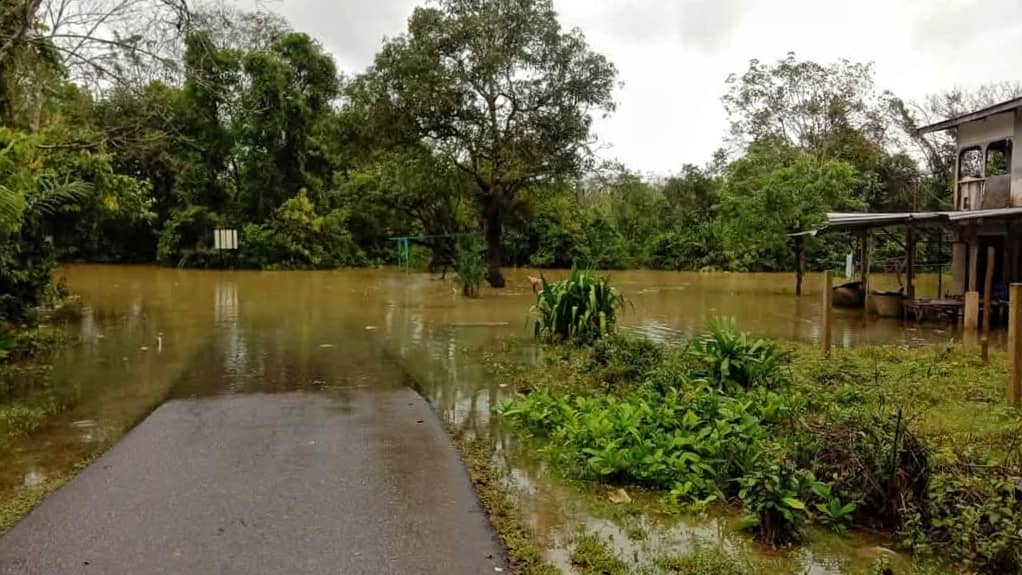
582	308
469	264
775	493
833	512
730	356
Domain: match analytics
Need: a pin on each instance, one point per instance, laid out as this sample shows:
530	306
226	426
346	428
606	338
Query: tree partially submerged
502	91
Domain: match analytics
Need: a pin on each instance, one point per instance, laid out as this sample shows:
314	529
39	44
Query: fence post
828	295
1015	345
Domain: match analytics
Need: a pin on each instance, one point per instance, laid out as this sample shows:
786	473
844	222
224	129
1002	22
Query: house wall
986	130
1016	162
980	133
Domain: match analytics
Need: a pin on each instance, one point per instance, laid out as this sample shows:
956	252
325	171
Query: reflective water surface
150	334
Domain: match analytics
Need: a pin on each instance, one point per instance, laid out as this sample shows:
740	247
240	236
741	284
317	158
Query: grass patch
707	561
525	557
590	556
23	500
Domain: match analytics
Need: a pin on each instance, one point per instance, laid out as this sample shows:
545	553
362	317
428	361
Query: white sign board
225	239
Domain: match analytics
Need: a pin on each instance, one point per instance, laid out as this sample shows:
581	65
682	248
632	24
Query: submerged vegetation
912	442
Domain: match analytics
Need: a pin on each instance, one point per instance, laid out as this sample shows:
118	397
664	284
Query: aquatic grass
591	556
23	417
582	308
707	561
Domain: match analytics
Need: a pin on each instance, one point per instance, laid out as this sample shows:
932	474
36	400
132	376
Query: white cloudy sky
674	55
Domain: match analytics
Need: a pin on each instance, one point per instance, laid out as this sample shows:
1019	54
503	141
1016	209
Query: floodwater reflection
148	334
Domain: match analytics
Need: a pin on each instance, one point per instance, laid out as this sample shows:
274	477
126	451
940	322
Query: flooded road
151	334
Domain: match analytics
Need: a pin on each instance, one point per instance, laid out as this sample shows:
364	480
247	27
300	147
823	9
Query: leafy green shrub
582	308
694	248
775	492
619	358
297	237
731	357
187	238
692	441
469	264
974	517
832	510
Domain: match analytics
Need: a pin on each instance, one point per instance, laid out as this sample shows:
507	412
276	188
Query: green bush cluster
718	438
791	438
297	236
582	308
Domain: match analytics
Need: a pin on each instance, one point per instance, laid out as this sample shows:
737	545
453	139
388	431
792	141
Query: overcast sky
673	56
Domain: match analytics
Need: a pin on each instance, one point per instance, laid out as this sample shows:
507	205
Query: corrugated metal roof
837	221
983	214
879	220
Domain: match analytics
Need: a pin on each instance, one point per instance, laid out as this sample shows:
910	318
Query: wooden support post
800	263
828	304
910	262
865	275
1015	345
971	311
940	264
973	265
988	288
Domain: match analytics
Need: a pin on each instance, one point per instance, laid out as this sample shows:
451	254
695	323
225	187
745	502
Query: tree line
134	128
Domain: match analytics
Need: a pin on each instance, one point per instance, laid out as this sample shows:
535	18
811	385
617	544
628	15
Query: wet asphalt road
367	482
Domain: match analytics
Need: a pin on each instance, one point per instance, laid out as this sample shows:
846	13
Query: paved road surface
288	483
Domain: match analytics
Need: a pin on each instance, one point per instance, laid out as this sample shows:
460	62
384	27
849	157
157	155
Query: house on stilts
985	222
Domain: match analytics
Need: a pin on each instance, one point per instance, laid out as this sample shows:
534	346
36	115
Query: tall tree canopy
499	89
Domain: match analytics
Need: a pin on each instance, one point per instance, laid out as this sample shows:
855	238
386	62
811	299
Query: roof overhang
858	221
972	117
846	221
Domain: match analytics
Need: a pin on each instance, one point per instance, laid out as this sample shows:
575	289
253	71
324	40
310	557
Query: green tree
290	89
774	191
497	87
410	192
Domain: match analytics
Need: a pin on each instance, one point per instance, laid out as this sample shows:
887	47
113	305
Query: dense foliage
881	438
137	140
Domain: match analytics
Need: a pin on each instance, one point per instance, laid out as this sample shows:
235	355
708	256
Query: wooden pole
1015	345
988	286
865	275
828	295
971	319
910	262
940	263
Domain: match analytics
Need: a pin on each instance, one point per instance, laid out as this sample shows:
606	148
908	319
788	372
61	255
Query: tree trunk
493	229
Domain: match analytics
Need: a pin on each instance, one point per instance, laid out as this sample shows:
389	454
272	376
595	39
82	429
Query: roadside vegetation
916	443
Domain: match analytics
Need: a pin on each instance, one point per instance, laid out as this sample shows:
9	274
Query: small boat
849	294
886	303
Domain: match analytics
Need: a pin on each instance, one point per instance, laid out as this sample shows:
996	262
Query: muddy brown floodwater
148	334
